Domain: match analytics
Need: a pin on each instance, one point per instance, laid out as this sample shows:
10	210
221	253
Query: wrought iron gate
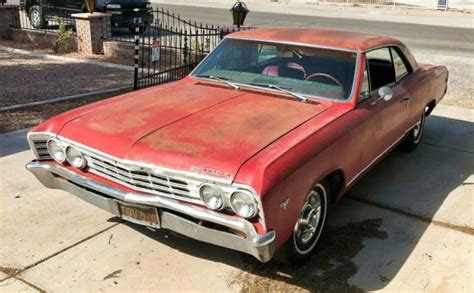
170	48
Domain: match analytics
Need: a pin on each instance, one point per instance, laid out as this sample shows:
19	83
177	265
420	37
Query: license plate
141	215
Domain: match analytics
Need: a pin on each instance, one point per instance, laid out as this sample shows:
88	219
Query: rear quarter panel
428	84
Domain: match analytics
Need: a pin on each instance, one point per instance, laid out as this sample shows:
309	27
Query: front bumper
247	240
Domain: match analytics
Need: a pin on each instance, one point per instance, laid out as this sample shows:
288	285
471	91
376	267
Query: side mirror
385	93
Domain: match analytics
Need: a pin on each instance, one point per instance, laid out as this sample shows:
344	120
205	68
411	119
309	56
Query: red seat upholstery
275	70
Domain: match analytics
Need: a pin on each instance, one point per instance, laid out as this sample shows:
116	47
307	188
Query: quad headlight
243	203
75	157
56	150
211	195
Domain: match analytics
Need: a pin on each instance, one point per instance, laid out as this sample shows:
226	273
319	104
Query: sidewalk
398	14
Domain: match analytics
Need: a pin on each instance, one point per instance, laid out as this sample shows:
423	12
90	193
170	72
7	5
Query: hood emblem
211	172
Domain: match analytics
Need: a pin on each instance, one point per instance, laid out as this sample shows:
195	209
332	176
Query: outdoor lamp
239	12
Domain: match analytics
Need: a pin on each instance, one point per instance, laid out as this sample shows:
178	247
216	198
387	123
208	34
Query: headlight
114	6
149	6
56	150
211	195
243	204
75	157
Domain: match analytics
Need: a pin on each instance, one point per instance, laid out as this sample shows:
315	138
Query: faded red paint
318	37
277	145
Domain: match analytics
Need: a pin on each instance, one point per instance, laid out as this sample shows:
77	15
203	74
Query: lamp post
239	12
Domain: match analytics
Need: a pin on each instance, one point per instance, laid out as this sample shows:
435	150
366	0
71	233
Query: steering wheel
328	76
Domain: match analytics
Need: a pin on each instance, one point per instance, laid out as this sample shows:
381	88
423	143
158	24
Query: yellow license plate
138	214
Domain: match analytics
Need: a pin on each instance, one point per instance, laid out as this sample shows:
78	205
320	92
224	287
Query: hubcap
35	17
308	227
418	128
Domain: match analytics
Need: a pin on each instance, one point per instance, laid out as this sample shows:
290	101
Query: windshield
303	70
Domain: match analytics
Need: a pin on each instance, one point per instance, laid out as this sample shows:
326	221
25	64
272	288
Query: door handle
406	100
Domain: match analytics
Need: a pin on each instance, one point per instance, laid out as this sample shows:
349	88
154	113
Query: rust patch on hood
224	136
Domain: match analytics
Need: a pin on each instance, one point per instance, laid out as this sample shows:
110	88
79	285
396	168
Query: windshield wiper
281	89
221	79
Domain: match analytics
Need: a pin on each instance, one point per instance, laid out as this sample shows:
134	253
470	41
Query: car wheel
308	227
36	17
413	138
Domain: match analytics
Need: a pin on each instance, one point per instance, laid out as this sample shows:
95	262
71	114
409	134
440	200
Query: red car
248	151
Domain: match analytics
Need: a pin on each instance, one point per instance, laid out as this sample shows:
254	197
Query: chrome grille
138	178
41	150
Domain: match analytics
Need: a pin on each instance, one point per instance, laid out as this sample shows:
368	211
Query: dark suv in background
125	13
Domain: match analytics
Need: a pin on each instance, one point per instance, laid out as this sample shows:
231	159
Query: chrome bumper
103	196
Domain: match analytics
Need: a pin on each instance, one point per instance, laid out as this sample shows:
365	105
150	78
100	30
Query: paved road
422	38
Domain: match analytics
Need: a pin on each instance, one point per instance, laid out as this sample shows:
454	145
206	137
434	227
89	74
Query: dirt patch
27	78
327	271
32	116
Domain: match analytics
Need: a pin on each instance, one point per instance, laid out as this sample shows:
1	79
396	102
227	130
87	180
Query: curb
65	98
68	59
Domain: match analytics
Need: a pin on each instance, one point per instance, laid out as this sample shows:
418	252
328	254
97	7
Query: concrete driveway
408	225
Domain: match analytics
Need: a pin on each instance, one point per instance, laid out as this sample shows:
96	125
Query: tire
303	242
413	139
36	17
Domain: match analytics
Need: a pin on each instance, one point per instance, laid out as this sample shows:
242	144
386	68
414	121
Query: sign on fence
155	50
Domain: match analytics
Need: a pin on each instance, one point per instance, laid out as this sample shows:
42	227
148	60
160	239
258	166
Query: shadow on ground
422	180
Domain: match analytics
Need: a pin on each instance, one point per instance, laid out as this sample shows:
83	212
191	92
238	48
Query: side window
266	52
365	86
381	72
399	65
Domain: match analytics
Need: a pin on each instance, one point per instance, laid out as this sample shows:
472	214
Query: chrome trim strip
260	246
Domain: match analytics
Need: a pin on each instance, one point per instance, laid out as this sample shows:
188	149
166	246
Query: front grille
41	150
139	179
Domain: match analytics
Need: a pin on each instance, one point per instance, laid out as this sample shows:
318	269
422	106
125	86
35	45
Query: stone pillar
92	30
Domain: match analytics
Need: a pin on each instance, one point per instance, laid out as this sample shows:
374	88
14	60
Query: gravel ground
32	116
461	78
25	79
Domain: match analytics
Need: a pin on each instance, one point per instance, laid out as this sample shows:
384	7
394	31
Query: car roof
338	39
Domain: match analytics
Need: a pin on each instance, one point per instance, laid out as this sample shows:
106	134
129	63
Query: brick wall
92	30
40	39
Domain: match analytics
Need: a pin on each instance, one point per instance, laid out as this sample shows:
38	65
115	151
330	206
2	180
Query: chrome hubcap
416	129
309	219
35	17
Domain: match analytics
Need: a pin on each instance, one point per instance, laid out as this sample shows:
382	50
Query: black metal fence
170	48
46	19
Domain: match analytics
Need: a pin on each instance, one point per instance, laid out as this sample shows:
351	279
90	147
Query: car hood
196	126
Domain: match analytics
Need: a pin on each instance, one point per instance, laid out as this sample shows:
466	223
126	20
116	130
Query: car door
388	118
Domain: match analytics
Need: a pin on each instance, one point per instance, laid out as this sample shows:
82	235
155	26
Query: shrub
64	34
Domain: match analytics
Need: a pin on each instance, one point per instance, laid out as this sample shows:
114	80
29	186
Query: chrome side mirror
385	93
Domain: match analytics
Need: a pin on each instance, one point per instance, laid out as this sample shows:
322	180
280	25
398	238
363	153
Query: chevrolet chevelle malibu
250	149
